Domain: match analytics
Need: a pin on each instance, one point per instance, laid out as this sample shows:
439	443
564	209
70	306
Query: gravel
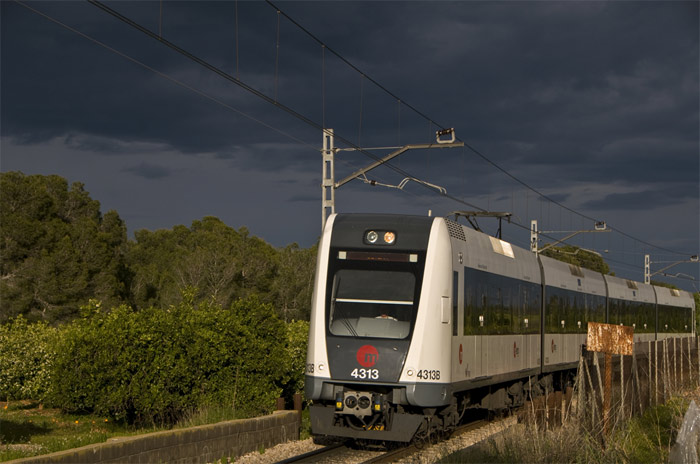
428	455
279	452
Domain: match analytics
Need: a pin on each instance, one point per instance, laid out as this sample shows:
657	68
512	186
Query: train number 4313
372	374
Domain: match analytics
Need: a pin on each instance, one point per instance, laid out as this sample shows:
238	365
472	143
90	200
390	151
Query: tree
293	285
578	256
58	251
221	263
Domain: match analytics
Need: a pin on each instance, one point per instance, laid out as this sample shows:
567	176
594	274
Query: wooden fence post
650	377
638	386
622	386
675	366
656	372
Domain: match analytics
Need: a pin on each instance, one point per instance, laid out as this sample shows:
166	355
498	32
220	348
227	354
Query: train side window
505	303
469	302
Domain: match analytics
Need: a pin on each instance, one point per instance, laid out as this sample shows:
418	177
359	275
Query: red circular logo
367	356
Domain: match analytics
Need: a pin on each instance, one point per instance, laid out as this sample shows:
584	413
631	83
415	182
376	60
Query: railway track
342	452
402	453
474	432
315	455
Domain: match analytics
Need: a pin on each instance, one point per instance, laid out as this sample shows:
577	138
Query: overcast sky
594	104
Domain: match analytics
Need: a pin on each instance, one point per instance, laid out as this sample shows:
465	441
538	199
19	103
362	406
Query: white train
414	319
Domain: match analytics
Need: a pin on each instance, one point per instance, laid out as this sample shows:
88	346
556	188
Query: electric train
415	319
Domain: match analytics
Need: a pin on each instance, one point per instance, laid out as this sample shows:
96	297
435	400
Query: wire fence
656	372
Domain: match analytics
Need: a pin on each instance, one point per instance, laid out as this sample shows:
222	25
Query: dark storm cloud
594	103
271	157
565	79
303	198
577	76
666	195
149	171
78	90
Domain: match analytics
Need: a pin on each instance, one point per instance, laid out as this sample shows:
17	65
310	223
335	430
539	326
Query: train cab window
372	303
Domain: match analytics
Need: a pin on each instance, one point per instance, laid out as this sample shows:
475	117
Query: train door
457	339
469	348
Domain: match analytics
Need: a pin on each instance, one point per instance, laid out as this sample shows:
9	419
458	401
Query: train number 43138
426	374
372	374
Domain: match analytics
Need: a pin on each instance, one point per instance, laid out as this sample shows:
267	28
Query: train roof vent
576	270
455	230
675	292
632	284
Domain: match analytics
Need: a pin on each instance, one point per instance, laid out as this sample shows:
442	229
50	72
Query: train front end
366	331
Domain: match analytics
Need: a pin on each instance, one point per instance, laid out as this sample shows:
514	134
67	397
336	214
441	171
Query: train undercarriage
382	416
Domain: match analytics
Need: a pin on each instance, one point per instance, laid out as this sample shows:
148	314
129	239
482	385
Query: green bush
26	355
154	366
295	354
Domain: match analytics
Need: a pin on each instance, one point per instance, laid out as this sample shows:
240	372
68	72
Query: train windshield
373	301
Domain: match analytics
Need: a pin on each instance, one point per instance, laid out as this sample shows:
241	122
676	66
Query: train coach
416	319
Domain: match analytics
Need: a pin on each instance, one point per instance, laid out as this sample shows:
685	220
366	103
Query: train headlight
389	238
380	237
372	236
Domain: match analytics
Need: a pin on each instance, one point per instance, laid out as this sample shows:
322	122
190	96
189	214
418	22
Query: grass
209	415
305	427
28	430
643	439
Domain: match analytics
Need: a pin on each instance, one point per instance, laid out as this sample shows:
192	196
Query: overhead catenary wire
467	145
176	81
316	125
252	90
310	122
166	76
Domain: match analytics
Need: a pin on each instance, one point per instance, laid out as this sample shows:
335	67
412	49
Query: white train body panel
316	356
430	347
